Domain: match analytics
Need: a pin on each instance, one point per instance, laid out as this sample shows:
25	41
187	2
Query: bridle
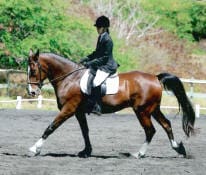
40	82
40	70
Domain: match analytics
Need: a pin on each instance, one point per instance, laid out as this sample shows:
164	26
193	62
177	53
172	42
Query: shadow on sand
120	156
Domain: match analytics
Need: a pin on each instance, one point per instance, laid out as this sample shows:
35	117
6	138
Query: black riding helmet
102	21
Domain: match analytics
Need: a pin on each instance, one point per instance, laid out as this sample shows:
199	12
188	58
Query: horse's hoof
85	153
138	155
181	149
34	151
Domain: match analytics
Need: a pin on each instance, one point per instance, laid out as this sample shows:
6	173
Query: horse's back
141	77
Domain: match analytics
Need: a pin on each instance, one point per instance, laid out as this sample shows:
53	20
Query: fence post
18	102
197	110
39	104
8	82
191	88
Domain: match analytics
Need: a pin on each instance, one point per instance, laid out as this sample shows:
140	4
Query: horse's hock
12	82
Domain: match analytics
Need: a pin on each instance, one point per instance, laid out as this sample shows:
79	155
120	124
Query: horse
138	90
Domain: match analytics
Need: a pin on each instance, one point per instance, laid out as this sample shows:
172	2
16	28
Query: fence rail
40	99
19	101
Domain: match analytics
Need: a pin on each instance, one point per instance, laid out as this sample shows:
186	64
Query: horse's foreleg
165	123
86	152
145	121
60	118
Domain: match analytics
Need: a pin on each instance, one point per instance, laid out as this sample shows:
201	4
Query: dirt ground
113	137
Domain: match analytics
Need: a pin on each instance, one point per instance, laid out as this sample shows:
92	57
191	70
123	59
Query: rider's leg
100	78
96	96
89	82
96	91
90	102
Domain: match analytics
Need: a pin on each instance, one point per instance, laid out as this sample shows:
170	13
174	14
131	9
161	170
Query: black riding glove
86	64
82	60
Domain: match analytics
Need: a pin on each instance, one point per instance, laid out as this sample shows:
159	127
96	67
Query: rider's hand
86	64
82	60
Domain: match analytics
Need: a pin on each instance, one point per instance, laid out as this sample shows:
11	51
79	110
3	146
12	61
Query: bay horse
140	91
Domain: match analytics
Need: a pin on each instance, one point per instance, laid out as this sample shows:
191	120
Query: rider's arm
107	51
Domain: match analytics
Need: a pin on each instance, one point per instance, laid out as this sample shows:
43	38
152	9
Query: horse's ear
36	55
30	52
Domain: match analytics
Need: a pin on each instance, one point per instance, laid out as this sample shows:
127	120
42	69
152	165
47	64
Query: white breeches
99	78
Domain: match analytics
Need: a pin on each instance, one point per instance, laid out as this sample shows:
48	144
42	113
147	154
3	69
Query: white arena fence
191	94
40	99
19	101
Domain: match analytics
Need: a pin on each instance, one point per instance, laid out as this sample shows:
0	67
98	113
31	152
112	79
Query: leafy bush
45	25
198	21
49	26
186	18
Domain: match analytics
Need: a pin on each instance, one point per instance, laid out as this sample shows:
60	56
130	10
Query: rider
101	64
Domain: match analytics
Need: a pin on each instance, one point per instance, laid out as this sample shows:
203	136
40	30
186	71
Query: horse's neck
58	67
61	68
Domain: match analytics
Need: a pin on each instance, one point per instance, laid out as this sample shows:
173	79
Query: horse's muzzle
33	92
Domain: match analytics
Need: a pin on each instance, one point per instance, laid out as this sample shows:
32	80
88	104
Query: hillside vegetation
149	35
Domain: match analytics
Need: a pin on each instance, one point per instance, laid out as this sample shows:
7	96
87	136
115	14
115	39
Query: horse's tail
173	83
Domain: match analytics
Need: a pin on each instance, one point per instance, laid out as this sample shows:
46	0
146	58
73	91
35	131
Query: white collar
101	35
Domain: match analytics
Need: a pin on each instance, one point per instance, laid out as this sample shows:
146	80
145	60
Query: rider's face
100	30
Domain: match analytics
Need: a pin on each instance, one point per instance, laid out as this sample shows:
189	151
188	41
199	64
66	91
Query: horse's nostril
32	93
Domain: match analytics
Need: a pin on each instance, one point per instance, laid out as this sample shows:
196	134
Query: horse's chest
61	98
63	93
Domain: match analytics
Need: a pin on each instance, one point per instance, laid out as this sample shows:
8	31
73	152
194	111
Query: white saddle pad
112	83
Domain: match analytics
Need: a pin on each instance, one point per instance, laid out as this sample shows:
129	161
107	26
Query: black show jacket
102	57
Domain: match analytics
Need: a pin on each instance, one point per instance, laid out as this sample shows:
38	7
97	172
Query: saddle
108	87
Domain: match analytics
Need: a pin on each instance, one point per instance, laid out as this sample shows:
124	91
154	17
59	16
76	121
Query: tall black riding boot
96	95
89	98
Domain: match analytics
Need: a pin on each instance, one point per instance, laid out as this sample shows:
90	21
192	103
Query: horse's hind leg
145	120
165	123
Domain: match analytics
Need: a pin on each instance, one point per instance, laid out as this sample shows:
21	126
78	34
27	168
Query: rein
64	76
40	83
